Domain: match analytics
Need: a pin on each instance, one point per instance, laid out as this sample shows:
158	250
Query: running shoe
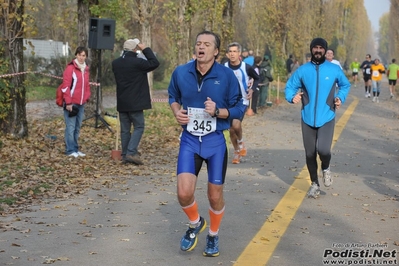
212	246
314	191
378	99
236	158
243	149
391	95
327	178
74	154
190	239
374	99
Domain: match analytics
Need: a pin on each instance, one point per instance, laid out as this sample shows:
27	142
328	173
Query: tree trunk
184	42
84	16
83	22
146	39
11	24
227	33
145	16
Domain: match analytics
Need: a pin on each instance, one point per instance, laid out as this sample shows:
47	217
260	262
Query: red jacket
76	87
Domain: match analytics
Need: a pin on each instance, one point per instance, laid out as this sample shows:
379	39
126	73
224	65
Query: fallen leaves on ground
35	168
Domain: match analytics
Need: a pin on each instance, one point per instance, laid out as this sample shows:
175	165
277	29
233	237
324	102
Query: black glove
74	112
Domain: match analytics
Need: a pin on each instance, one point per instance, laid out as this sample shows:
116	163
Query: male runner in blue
314	84
204	96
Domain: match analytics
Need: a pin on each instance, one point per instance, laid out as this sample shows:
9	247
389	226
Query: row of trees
278	27
389	33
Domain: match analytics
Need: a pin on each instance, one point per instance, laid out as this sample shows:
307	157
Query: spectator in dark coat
288	64
133	95
265	79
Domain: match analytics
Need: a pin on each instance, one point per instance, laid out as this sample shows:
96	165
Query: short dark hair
393	60
81	49
235	44
258	59
216	36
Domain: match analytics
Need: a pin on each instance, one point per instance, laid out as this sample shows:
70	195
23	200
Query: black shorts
392	82
355	73
366	78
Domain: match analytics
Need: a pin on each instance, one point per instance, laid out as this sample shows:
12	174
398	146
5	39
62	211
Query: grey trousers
131	140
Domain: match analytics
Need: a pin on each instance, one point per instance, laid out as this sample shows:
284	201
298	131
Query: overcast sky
375	9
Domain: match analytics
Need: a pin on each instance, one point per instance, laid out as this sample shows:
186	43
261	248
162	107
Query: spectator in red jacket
76	92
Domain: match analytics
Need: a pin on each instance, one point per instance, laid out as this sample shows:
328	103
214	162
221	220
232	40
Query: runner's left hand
210	106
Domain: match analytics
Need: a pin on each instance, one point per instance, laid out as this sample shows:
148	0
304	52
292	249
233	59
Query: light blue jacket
320	85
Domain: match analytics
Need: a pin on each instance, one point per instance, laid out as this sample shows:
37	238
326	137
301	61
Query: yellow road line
262	246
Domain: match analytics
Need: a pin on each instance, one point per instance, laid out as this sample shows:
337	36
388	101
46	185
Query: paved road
138	221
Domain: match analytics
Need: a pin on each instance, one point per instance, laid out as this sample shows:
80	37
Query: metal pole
98	87
278	90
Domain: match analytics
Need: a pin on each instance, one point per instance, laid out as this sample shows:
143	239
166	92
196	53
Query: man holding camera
133	95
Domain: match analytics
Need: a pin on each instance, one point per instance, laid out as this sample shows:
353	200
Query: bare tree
12	91
84	15
393	31
145	16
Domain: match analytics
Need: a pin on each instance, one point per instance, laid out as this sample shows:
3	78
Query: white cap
131	44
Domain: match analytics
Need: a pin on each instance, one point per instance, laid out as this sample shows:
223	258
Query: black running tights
317	140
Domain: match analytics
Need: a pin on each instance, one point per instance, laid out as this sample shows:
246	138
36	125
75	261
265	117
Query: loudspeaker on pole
102	33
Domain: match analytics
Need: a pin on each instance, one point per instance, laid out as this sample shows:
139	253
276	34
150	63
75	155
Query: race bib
201	123
355	70
368	71
376	73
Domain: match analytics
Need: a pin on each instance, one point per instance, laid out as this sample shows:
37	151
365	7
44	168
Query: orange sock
192	212
215	220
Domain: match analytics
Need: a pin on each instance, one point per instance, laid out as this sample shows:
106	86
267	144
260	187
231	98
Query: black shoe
135	159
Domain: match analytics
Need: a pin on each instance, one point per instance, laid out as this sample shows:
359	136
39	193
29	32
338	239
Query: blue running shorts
210	148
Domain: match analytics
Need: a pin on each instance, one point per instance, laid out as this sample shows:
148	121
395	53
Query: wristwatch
216	112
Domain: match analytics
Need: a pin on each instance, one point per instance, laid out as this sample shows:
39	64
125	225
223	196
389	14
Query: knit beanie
323	43
318	41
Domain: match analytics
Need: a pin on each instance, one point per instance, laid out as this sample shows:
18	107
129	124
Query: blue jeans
376	87
72	130
130	141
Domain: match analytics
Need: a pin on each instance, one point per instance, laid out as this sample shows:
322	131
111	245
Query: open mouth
201	53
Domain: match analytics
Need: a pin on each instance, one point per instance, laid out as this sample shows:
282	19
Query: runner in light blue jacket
321	87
